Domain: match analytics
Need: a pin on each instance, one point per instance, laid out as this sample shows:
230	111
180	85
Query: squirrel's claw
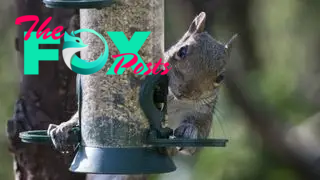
59	135
50	128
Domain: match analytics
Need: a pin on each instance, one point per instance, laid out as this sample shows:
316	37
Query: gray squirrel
198	66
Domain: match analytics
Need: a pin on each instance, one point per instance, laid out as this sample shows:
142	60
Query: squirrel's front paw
59	135
187	131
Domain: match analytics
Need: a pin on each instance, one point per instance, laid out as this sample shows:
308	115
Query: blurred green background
287	39
9	79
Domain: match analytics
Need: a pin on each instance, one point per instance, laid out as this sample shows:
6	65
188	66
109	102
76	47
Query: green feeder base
77	3
121	161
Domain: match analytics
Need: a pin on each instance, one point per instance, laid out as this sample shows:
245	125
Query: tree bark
43	99
115	97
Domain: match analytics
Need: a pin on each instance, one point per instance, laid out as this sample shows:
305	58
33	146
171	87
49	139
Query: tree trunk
113	99
43	99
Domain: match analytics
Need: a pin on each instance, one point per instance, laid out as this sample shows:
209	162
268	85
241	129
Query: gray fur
193	90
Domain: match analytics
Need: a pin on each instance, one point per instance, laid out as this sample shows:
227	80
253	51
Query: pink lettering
34	18
133	61
139	67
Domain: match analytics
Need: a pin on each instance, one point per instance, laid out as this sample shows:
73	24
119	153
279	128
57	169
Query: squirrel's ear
198	24
228	45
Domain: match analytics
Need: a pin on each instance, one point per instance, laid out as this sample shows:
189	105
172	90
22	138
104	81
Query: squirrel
197	63
198	69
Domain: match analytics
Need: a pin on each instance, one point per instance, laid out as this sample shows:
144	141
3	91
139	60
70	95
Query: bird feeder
147	159
77	3
121	122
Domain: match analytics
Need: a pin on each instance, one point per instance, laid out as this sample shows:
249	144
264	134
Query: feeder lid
77	3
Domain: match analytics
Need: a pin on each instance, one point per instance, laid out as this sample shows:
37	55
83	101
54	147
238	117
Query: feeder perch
86	4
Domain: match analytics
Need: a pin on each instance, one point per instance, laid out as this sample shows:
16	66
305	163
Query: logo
128	57
73	44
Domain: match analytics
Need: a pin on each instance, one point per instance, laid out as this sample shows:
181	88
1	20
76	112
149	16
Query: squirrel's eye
77	41
182	53
220	78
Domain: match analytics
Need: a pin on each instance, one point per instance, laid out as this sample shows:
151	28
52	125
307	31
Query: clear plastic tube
111	115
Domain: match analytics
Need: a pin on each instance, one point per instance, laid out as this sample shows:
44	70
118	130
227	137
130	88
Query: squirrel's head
198	63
